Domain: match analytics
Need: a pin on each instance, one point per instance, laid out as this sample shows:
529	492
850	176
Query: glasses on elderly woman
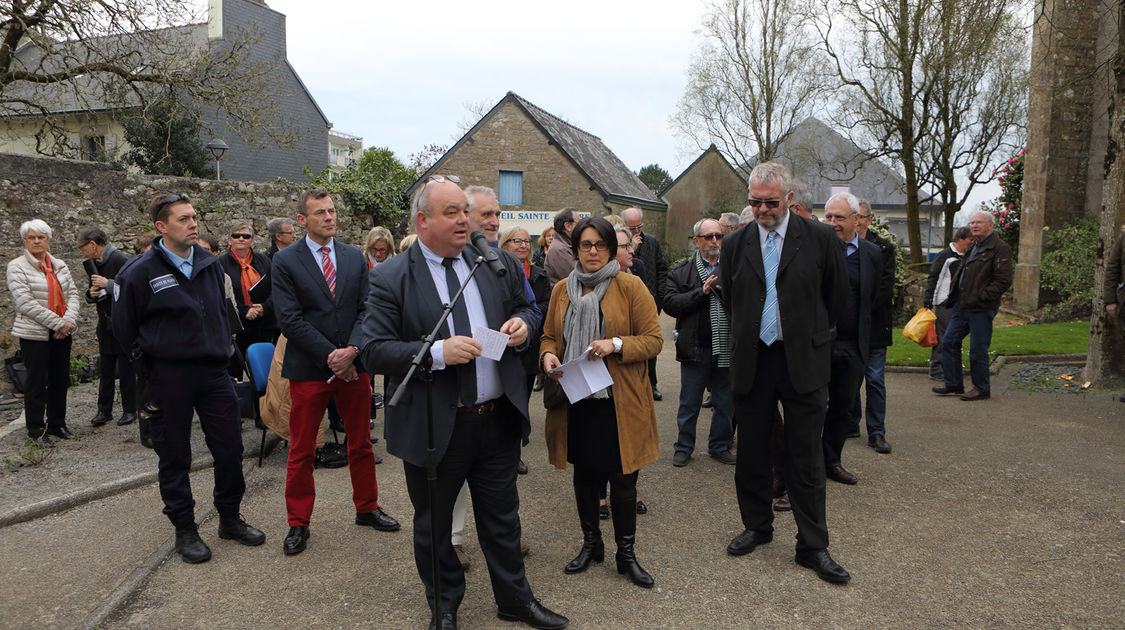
519	241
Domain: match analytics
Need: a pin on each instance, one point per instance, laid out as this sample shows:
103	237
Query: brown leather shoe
974	394
839	474
781	504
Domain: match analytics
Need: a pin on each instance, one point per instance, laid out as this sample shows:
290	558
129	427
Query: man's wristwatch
616	344
356	349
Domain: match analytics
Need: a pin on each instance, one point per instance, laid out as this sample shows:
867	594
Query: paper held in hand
492	343
582	377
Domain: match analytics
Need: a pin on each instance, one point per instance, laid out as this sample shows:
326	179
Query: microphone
489	254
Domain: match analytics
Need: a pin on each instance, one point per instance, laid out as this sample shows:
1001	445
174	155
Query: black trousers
116	366
804	460
483	451
178	388
848	368
48	378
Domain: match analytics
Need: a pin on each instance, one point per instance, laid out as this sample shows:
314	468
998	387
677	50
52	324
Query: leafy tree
165	141
656	178
62	56
374	186
757	75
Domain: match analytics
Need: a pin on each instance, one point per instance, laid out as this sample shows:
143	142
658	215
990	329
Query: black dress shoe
190	546
853	434
976	395
745	542
521	468
946	391
99	419
680	459
448	621
61	433
879	443
235	528
126	418
706	402
641	507
378	519
825	567
656	395
533	614
840	475
294	542
725	457
43	440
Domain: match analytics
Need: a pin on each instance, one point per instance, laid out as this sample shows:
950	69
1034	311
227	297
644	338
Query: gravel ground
1050	378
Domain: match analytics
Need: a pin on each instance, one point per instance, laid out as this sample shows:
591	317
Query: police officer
169	309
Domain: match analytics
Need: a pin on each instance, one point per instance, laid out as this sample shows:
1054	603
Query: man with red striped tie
319	293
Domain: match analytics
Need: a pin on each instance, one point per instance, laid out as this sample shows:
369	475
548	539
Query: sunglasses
171	199
443	178
241	235
714	236
770	203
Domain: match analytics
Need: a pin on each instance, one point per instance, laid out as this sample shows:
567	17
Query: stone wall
70	194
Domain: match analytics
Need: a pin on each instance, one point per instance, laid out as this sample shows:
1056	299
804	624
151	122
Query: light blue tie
768	332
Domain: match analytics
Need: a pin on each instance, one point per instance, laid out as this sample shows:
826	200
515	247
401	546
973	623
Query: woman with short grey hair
46	302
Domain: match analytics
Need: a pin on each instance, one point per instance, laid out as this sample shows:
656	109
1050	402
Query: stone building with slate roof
539	164
828	162
95	135
708	187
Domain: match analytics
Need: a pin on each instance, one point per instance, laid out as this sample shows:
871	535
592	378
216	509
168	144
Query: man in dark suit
479	405
647	248
851	349
784	280
875	366
103	261
319	294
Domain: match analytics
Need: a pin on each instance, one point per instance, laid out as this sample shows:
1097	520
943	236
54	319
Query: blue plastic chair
258	359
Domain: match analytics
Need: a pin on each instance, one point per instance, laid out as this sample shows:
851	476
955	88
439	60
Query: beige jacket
28	285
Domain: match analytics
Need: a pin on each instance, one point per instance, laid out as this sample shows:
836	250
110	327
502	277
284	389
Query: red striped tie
329	270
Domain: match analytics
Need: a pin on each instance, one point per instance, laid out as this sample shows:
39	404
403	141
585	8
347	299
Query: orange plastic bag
931	339
919	326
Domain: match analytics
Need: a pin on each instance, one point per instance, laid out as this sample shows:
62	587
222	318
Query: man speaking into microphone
479	405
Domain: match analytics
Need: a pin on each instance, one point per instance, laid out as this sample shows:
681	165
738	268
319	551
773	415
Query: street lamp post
217	148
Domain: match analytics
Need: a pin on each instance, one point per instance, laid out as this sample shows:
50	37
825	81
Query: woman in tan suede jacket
612	433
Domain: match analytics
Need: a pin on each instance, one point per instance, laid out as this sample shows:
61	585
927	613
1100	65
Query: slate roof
822	158
605	171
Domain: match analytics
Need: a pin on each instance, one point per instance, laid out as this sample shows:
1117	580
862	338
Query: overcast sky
400	74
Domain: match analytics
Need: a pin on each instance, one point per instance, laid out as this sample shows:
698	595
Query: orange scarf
250	276
55	299
527	269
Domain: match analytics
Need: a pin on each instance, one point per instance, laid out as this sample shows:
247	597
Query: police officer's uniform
180	324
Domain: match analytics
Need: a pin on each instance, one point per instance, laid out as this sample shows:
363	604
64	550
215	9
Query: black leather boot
593	549
625	532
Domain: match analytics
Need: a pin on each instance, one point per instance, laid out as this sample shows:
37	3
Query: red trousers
309	402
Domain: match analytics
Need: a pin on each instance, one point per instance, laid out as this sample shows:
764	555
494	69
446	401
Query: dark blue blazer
312	321
402	307
870	287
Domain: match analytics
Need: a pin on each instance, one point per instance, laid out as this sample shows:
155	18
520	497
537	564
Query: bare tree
979	97
61	58
757	74
876	48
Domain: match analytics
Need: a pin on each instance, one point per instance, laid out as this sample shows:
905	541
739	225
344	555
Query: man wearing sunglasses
785	282
169	311
692	296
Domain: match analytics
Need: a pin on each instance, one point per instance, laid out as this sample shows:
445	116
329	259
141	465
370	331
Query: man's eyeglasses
635	228
585	246
864	216
714	236
245	236
770	203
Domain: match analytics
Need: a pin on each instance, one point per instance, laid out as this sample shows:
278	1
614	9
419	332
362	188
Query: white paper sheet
582	377
492	343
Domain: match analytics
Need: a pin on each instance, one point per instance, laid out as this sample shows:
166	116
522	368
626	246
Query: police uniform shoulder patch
160	283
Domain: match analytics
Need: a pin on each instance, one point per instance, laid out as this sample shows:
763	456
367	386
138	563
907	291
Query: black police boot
190	546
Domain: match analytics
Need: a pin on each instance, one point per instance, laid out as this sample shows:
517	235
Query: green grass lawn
1060	338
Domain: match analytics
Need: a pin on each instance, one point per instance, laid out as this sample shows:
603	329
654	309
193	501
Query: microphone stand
420	366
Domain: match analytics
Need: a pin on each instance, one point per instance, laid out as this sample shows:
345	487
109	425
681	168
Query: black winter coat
655	267
684	299
882	307
114	261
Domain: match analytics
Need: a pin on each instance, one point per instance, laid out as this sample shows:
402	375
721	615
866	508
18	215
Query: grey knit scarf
583	322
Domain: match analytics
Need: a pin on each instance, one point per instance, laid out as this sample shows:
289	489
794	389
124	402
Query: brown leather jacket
983	278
